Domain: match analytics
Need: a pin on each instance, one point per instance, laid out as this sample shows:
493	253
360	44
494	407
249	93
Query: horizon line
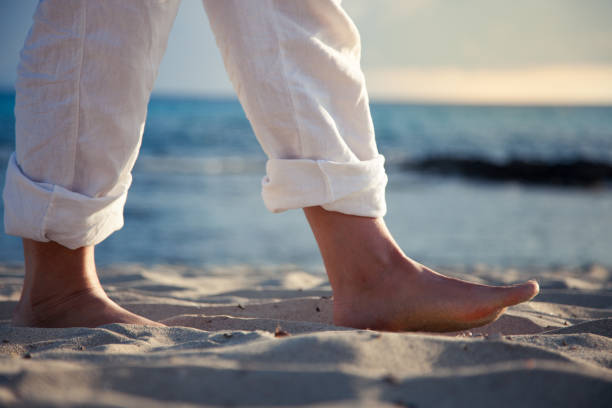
381	99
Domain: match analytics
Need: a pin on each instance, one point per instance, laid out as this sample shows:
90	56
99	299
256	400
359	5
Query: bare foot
376	286
85	308
412	297
61	289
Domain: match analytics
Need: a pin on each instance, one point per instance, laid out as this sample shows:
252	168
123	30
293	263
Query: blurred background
495	118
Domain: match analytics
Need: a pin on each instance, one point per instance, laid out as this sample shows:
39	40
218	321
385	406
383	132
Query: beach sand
246	336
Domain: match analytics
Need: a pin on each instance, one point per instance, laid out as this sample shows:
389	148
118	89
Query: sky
448	51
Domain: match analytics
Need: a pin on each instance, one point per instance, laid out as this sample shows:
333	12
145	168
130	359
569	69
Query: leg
295	67
84	79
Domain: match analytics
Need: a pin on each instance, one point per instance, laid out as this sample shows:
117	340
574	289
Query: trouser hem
355	188
46	212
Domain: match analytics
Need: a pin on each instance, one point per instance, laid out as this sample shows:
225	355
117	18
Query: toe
522	292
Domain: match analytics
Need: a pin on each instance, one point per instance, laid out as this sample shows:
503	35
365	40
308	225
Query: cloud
580	84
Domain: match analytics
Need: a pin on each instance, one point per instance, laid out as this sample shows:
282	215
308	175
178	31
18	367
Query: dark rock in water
578	172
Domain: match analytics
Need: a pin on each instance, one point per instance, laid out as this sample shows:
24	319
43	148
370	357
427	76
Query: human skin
61	289
375	285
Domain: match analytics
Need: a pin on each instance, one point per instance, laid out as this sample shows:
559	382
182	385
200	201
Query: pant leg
295	67
84	79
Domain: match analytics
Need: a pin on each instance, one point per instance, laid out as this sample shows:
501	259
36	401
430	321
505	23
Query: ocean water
501	186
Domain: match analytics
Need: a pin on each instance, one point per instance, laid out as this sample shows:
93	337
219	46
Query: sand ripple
223	347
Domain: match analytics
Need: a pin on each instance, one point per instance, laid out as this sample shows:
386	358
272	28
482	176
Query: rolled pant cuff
46	212
355	188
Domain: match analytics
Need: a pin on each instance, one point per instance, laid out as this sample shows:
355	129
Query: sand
246	336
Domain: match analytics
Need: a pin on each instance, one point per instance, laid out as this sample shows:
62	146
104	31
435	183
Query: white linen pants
84	80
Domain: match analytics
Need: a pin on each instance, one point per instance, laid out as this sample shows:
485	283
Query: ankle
51	267
376	274
54	275
38	310
61	289
358	252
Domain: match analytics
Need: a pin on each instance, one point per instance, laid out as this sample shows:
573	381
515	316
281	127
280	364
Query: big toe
521	293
